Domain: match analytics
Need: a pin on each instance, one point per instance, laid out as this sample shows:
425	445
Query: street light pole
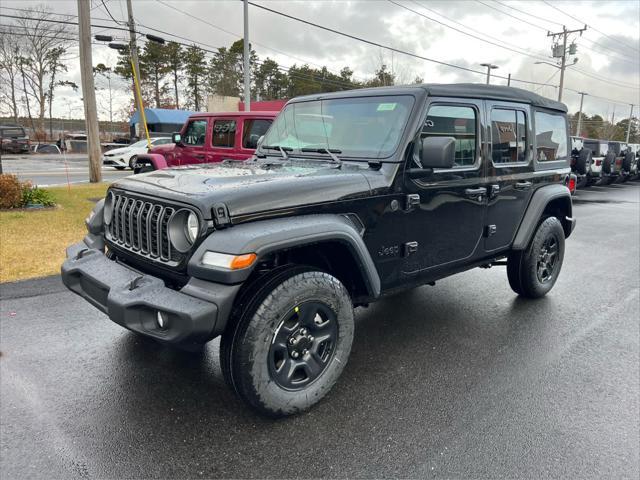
247	52
490	67
629	125
579	126
89	92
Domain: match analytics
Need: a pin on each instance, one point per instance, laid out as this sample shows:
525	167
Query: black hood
251	187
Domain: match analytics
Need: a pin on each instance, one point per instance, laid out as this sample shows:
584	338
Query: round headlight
184	227
108	208
193	226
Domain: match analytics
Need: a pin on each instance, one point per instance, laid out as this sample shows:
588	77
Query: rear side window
195	133
551	137
508	136
253	130
13	132
224	133
458	122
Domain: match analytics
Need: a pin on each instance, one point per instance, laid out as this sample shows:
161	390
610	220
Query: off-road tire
583	161
608	163
245	347
523	265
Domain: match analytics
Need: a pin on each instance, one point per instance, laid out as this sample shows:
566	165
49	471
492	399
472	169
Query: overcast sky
608	52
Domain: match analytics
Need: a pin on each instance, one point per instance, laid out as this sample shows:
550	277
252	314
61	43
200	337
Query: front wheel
133	162
290	343
534	271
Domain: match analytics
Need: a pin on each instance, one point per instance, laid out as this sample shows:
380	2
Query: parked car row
603	162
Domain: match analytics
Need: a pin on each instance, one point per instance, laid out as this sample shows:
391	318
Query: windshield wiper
329	151
283	150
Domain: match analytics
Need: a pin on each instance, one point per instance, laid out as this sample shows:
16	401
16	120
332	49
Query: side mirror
176	138
435	152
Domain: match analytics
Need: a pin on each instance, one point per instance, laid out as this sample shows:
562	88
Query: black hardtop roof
461	90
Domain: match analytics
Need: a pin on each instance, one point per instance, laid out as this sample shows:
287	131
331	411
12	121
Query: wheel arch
329	242
551	200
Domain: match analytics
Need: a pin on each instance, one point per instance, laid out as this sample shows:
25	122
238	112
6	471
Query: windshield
353	127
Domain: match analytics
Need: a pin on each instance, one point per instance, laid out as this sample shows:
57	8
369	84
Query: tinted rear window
12	132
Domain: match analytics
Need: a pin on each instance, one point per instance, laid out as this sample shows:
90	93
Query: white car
122	158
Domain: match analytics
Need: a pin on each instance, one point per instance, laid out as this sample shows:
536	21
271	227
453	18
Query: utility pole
247	52
490	67
579	126
89	92
563	56
629	125
509	80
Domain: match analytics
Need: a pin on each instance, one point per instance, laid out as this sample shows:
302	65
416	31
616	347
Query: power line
513	16
529	14
109	13
591	27
465	33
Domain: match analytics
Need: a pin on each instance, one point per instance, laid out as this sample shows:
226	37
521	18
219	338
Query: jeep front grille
142	227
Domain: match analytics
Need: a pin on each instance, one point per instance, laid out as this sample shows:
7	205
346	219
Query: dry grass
33	243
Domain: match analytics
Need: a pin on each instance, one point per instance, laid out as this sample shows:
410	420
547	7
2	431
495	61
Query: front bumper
114	161
134	300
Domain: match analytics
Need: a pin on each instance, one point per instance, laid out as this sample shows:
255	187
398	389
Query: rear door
510	171
225	139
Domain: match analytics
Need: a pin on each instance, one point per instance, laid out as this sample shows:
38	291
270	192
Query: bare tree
42	48
9	71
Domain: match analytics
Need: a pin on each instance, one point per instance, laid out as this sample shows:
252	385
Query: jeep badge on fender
350	196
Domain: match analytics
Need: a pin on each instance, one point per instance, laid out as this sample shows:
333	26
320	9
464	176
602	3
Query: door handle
523	185
475	193
199	156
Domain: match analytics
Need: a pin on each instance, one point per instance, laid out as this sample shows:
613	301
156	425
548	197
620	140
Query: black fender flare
267	236
537	205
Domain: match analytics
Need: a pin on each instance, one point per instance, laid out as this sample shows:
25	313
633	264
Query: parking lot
463	379
53	169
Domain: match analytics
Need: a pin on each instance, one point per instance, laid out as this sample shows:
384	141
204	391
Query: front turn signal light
228	262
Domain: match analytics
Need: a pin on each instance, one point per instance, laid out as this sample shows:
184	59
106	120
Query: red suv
209	138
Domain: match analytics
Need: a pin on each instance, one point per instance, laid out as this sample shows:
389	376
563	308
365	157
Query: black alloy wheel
547	259
303	345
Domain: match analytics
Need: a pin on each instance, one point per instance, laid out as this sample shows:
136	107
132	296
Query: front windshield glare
139	144
368	127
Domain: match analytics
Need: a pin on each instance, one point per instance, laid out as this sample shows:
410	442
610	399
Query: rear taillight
572	184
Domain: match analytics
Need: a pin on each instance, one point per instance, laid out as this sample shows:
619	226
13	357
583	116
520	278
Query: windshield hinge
375	164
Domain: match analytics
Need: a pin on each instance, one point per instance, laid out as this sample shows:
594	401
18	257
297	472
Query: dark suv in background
14	139
351	196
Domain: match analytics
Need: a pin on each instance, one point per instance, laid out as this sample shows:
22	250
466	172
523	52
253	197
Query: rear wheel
133	162
290	342
534	271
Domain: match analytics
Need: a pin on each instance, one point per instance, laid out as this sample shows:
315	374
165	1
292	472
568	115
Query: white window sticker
386	107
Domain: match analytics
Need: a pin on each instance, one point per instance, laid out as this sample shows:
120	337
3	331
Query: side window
195	133
551	137
253	130
508	136
458	122
224	133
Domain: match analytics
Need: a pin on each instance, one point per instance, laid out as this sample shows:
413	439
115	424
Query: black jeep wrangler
351	196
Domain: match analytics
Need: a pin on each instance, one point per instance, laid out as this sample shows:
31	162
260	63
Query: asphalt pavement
460	380
53	169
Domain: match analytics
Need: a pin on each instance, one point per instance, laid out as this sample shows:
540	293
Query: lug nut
292	341
303	331
305	351
311	339
295	354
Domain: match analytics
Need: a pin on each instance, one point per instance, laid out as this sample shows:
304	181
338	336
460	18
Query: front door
447	223
193	147
510	171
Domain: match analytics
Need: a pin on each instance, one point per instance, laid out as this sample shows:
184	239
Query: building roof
460	90
162	115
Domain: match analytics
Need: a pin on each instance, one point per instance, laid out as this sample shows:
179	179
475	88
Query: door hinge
490	230
412	200
410	248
